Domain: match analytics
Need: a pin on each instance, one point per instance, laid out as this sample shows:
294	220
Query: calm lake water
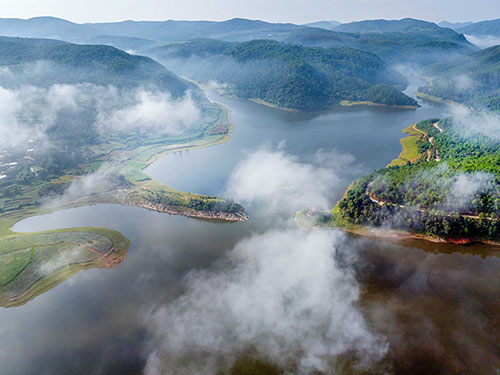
438	306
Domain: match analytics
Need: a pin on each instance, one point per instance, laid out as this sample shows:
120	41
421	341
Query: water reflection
437	305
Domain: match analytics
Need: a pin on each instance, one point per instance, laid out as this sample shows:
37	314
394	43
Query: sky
295	11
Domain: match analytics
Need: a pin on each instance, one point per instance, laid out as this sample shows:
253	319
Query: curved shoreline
372	232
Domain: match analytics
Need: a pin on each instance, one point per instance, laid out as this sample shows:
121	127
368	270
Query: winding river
442	302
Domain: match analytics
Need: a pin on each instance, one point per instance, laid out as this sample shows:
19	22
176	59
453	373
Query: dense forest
285	75
456	196
473	79
67	63
408	41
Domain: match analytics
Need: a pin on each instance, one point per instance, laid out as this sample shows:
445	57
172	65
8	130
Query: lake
437	306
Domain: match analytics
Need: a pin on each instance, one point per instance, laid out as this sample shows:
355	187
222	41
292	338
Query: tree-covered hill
483	28
72	63
473	79
423	44
405	25
451	191
286	75
405	41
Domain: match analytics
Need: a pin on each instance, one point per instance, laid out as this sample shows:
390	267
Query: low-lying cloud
468	123
285	296
282	296
148	111
29	112
484	41
284	183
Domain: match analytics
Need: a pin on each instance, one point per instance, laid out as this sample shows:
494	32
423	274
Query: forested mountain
68	63
472	79
454	25
406	41
236	29
287	75
406	25
329	25
483	28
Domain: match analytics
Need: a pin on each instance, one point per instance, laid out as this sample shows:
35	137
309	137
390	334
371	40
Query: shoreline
372	232
348	103
11	219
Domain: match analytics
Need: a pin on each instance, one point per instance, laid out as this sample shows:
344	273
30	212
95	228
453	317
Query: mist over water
196	295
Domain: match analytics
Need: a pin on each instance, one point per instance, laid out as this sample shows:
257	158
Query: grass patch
409	145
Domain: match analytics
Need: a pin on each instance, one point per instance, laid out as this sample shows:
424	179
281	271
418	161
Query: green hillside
73	63
483	28
450	190
288	76
396	44
473	79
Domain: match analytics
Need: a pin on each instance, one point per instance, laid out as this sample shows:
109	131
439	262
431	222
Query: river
436	305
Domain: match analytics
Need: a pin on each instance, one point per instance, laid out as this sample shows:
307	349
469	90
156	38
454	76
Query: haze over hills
67	63
287	75
472	79
396	47
404	41
329	25
483	28
454	25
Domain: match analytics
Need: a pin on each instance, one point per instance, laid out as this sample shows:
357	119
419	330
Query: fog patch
63	259
467	123
463	83
279	182
107	179
484	41
286	296
467	187
147	111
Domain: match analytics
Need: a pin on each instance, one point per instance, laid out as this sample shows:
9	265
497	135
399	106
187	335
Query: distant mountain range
454	25
329	25
404	41
483	28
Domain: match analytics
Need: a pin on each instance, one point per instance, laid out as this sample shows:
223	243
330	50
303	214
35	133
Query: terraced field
31	264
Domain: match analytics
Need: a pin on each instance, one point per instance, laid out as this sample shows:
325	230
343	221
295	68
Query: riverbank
348	103
363	211
21	278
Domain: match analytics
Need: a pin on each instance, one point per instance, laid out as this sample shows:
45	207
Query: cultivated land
415	197
33	263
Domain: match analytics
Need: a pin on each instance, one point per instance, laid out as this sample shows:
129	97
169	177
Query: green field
33	263
409	152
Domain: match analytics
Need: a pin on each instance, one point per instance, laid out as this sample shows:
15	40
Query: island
444	187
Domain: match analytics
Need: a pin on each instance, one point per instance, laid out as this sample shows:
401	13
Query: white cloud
283	295
483	41
468	123
149	111
281	182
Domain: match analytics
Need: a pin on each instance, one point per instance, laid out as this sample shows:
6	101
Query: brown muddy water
437	306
